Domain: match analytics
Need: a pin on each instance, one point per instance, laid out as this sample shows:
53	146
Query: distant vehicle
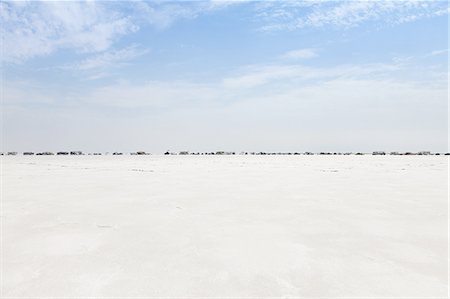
28	153
62	153
183	153
378	153
117	154
424	153
12	153
45	154
76	153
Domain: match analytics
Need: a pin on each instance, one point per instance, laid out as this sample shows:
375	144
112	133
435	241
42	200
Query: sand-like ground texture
224	226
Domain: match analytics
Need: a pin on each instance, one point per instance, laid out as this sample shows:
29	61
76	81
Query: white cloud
113	58
281	106
164	14
345	14
254	81
300	54
438	52
40	28
258	75
154	94
285	74
339	112
23	93
31	29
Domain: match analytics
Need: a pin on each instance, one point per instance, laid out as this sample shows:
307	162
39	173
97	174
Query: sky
215	75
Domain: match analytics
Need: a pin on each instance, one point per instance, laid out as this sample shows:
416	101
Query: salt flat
218	226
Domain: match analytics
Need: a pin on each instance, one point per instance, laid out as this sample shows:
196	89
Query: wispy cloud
438	52
365	105
112	58
286	74
253	81
163	14
21	92
154	94
31	29
345	14
300	54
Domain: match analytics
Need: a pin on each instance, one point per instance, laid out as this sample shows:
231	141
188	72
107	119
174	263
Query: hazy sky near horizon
215	75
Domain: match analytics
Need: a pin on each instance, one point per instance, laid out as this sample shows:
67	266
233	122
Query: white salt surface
224	226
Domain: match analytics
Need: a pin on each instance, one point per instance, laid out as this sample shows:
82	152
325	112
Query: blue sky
215	75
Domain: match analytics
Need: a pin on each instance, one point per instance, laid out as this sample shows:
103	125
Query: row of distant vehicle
80	153
421	153
73	153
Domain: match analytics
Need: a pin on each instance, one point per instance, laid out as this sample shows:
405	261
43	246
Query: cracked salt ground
206	226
